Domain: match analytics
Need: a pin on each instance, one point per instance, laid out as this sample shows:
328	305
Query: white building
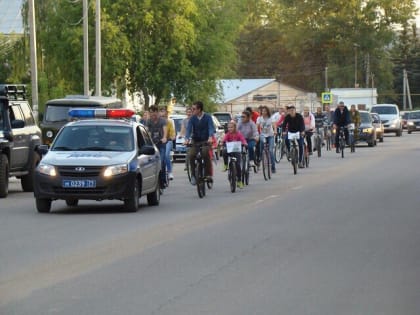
363	98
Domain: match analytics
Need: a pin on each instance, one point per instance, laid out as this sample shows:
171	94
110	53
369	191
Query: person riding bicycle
158	130
171	134
341	119
320	121
200	130
309	121
233	135
355	119
294	123
266	125
249	130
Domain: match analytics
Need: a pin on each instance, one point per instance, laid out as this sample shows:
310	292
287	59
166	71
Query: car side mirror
147	150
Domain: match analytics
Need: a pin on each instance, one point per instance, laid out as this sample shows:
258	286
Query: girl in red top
233	135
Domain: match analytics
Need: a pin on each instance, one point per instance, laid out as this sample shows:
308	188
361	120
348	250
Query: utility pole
98	89
33	57
355	65
367	69
326	79
85	48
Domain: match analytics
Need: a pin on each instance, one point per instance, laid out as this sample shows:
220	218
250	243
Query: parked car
19	138
390	116
367	132
413	121
180	149
404	116
379	126
223	118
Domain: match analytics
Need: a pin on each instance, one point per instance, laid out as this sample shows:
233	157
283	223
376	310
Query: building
237	94
363	98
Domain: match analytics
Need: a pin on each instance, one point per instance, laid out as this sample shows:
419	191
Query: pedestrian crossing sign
327	97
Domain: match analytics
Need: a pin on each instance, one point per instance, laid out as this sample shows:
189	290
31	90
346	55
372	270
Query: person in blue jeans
267	125
294	123
249	130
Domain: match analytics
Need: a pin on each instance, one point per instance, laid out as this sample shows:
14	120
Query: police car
99	159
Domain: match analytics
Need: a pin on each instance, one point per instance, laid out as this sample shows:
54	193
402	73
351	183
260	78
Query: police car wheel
153	198
72	202
132	204
43	205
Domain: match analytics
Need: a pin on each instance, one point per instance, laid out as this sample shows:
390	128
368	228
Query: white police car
99	159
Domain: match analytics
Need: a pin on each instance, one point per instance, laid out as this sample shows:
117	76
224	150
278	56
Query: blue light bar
87	113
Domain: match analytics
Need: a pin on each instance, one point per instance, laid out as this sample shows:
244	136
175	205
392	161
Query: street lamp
355	64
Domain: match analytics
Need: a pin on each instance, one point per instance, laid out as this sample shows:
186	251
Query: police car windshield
94	138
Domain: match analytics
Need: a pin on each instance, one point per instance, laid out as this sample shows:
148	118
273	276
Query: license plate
79	183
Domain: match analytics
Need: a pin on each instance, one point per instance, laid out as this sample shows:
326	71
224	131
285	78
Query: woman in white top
309	120
266	127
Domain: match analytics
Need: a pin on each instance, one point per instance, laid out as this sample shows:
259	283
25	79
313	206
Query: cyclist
320	120
309	121
157	127
254	114
249	130
170	125
294	123
355	119
341	119
267	126
184	122
200	130
233	135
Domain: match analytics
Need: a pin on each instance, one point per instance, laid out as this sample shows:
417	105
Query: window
27	113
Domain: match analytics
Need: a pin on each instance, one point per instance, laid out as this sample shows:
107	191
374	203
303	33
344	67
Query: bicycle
187	166
352	139
266	159
279	149
318	141
341	141
327	136
199	170
232	148
245	166
294	149
305	153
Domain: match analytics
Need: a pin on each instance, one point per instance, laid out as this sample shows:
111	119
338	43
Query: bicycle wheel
232	176
328	143
188	168
266	164
294	159
307	158
199	177
342	146
245	169
277	152
318	145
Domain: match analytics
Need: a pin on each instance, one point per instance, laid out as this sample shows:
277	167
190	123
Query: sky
10	18
11	21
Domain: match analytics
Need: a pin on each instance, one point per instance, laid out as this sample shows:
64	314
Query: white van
390	117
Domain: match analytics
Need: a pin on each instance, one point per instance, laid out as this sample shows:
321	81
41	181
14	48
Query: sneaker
171	176
193	181
224	167
301	165
273	170
240	185
251	163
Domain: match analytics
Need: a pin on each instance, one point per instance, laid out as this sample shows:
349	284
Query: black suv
19	138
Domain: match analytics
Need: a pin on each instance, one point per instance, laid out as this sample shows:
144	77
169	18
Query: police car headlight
49	134
47	169
116	170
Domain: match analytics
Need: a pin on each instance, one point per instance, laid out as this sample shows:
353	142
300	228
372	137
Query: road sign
327	97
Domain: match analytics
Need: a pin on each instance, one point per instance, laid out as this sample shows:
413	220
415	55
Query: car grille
84	191
71	171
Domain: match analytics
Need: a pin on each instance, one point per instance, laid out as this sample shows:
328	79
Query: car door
149	164
21	139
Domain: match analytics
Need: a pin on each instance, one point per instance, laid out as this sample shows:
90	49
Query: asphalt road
339	238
